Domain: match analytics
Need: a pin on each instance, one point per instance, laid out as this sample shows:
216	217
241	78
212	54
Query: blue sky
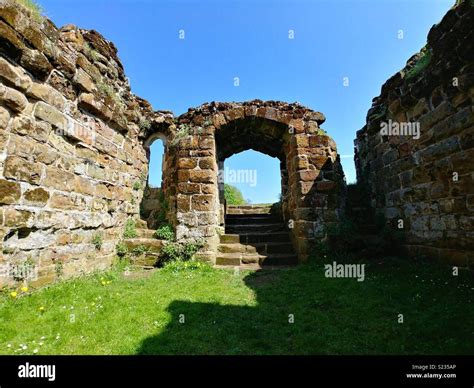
248	39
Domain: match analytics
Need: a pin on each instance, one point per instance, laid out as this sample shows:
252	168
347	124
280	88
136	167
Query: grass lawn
211	311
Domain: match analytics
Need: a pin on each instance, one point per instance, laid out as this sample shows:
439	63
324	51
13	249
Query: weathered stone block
10	192
47	94
84	81
189	188
13	99
51	115
23	170
209	189
59	179
26	125
14	76
44	153
202	202
88	102
308	175
207	163
4	118
37	197
83	185
202	176
36	62
17	218
187	163
183	202
183	176
67	202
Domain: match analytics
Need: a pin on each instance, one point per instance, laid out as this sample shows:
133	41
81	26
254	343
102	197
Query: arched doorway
311	173
154	206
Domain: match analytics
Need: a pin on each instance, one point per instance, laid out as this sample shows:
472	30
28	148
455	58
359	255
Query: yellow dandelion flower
108	281
41	309
13	294
24	289
103	282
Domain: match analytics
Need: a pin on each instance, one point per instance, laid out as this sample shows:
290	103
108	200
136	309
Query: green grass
247	312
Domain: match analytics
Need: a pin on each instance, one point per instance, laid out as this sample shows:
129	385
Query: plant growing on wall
130	230
35	8
137	185
424	58
180	251
183	131
121	249
97	241
165	232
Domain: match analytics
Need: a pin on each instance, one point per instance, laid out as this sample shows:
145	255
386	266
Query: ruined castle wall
72	166
424	184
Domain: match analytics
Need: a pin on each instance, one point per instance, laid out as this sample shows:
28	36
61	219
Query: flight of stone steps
254	238
145	248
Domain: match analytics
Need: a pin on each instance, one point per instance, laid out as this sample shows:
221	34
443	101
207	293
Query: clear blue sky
248	39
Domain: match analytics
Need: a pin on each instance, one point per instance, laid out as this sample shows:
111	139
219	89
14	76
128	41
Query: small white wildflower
40	344
42	338
9	345
35	351
24	347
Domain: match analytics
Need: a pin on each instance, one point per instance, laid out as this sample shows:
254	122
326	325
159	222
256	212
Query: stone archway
155	206
206	135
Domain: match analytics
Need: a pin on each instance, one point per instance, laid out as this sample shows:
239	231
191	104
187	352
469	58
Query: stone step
228	259
237	259
260	248
254	228
141	224
250	219
256	215
145	233
251	238
150	244
147	259
229	238
248	209
236	248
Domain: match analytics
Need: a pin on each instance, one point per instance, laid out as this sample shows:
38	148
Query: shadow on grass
300	311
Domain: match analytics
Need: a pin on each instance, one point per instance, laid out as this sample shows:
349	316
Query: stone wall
424	185
72	164
74	156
